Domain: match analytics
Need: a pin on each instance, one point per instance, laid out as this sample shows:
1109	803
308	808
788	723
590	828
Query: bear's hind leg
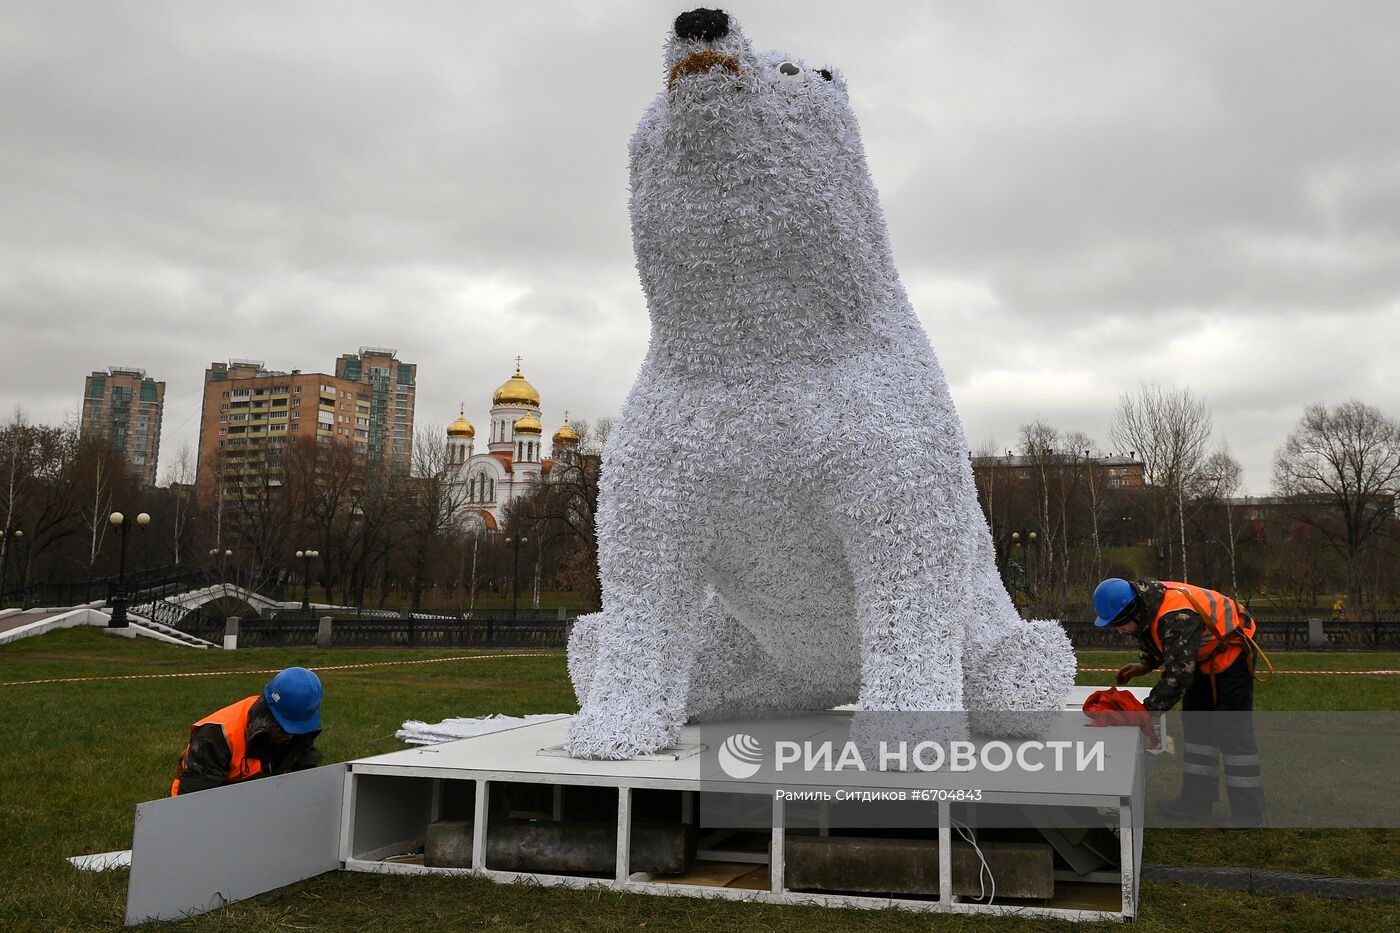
735	677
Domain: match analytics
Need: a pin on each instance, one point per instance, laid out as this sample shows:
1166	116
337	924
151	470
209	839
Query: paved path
9	623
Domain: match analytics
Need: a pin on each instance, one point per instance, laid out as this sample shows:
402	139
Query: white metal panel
515	752
194	853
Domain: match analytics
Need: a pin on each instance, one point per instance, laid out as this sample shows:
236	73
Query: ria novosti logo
741	756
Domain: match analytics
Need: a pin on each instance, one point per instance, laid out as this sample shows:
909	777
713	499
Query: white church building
513	461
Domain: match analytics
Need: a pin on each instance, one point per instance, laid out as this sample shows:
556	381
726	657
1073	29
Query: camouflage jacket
205	761
1181	639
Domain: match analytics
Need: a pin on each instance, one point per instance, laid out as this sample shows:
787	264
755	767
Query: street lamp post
222	557
306	557
1020	564
123	525
8	539
515	544
223	563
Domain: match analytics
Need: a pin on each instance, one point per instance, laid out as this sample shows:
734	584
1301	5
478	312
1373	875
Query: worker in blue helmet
1197	637
268	733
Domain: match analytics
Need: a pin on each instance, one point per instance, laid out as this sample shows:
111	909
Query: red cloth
1114	707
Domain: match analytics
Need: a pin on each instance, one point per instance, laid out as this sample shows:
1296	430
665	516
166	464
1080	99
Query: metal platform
373	814
390	800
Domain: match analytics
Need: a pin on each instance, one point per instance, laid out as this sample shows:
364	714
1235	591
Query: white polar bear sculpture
787	519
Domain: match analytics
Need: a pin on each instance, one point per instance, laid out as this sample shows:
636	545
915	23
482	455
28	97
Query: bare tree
1040	445
98	498
1221	476
433	506
40	492
988	488
180	477
1343	467
1169	428
15	473
322	479
258	512
1092	483
560	515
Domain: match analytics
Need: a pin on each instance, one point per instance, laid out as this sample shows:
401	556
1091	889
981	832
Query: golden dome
461	427
516	391
528	425
566	435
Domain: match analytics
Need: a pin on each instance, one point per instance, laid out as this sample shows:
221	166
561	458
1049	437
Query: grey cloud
1065	186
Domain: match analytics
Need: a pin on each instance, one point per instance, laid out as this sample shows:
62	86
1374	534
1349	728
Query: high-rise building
391	394
123	407
251	413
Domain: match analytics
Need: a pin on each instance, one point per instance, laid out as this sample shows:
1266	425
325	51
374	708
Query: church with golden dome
513	462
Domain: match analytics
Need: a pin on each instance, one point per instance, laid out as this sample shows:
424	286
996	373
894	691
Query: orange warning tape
1114	670
328	667
488	657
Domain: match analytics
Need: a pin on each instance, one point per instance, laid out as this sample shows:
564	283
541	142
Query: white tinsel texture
788	519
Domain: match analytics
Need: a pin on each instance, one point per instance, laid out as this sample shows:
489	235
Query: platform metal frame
514	756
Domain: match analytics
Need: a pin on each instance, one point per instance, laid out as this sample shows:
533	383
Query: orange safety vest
233	720
1228	628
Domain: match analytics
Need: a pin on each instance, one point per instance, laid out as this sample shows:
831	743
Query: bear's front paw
595	734
1018	686
890	741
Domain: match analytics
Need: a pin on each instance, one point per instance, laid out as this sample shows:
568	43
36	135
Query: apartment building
391	389
123	407
1114	471
251	413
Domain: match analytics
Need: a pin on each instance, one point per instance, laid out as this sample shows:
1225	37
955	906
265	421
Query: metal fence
367	614
56	594
139	586
406	633
194	622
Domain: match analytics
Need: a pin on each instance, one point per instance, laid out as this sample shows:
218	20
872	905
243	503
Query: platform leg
483	790
777	858
945	854
1126	845
347	818
624	834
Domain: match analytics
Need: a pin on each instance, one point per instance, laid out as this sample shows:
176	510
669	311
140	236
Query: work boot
1246	820
1185	810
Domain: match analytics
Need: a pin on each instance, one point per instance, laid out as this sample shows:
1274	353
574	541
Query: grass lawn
79	756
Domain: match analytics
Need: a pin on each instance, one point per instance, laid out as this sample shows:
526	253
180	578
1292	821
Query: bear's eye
787	71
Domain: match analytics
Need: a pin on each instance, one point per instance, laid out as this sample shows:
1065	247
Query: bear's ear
833	77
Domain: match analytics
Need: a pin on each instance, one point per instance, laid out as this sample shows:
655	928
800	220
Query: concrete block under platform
910	866
564	847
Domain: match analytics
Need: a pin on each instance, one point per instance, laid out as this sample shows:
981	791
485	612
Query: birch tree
1223	476
1169	429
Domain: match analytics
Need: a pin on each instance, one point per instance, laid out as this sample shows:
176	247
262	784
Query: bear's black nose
708	25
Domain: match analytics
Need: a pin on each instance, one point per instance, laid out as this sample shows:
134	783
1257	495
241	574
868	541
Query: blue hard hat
294	696
1111	597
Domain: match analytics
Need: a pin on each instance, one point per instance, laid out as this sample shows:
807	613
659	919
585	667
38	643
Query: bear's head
749	185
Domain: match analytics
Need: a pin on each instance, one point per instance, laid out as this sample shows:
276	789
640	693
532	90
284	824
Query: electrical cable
971	839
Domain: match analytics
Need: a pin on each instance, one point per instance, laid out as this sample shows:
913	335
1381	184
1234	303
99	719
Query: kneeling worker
1203	642
259	735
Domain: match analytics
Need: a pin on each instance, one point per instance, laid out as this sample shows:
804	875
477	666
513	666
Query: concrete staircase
166	633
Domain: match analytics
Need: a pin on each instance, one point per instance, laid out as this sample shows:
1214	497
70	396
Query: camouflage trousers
1218	728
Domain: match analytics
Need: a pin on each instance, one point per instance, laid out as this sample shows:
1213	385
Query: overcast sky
1082	197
